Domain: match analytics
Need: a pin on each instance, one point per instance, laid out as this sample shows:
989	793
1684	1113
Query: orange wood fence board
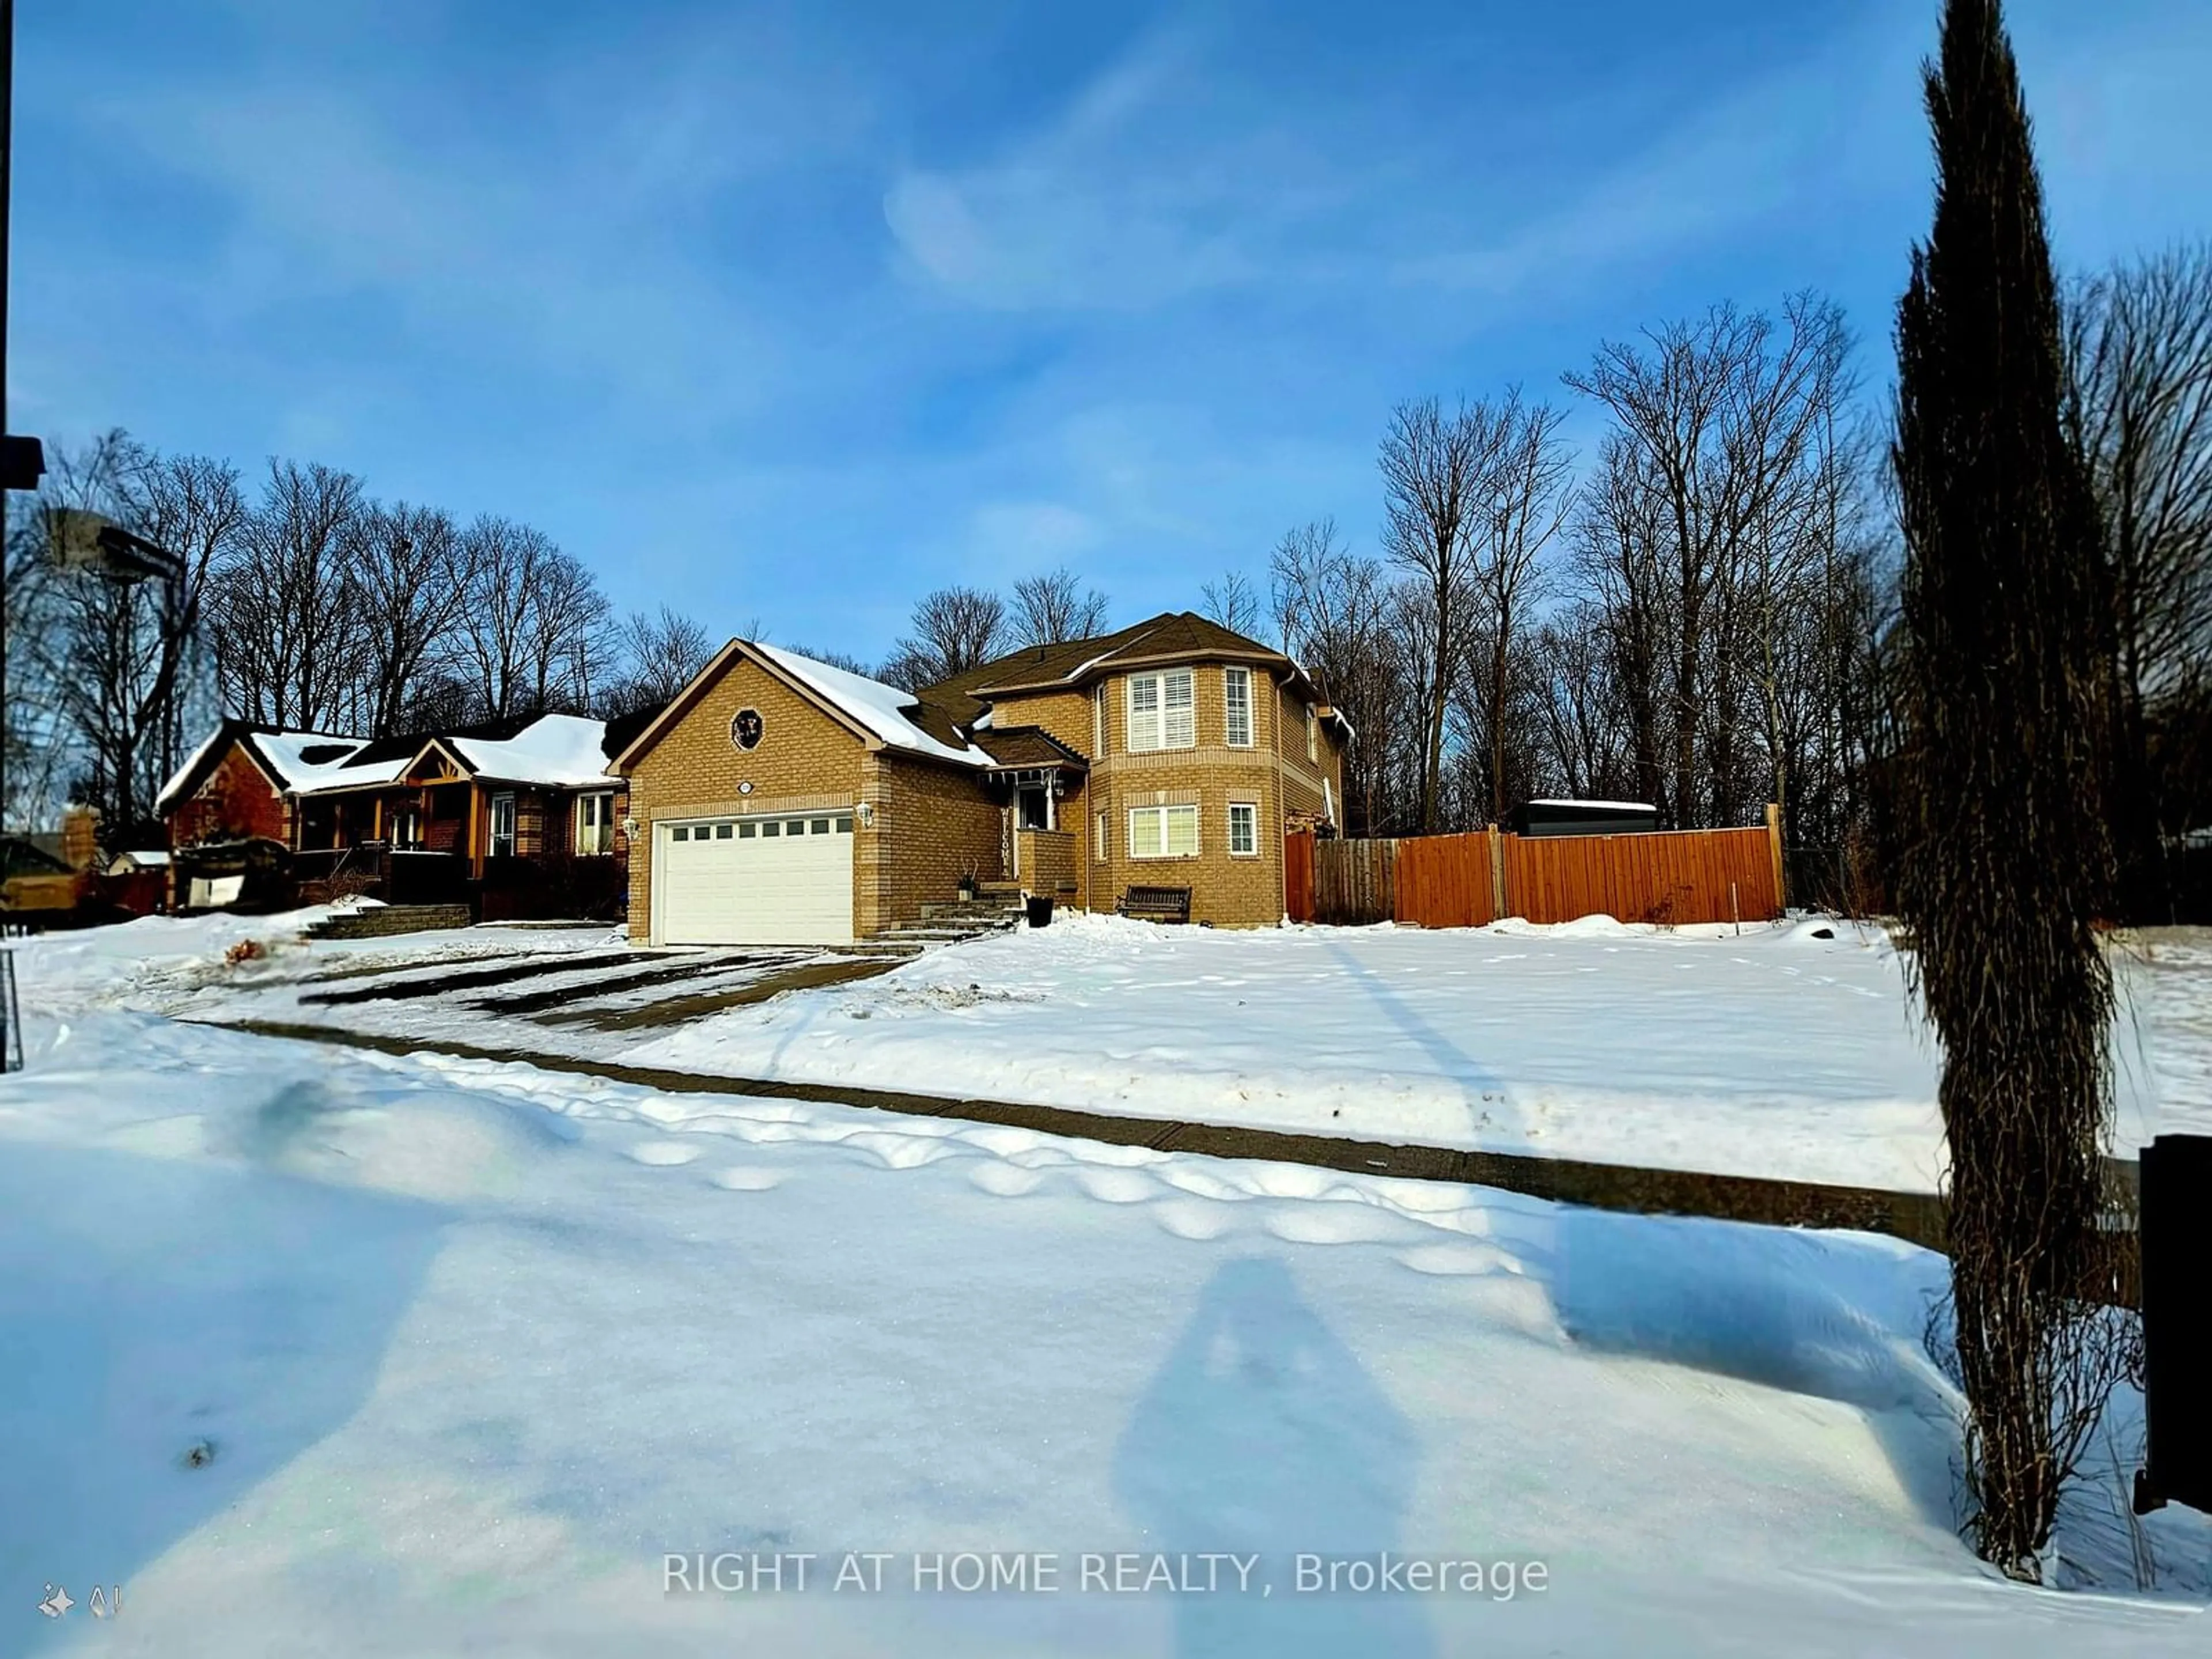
1451	881
1670	877
1298	875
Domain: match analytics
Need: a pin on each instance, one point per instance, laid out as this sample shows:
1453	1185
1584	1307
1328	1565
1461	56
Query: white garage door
781	880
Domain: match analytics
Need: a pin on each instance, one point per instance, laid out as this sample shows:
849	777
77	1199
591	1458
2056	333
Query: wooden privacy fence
1466	881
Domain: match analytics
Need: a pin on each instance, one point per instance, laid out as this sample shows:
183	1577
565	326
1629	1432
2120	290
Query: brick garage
917	821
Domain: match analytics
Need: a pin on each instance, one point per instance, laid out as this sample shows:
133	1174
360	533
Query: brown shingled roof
1026	745
1172	636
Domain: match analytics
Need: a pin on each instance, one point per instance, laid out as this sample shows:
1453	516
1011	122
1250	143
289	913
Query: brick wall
235	800
934	823
806	759
1048	862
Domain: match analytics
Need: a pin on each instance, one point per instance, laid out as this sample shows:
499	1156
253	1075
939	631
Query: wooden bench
1156	903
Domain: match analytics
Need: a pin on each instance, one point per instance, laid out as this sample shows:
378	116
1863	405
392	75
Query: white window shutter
1180	730
1144	713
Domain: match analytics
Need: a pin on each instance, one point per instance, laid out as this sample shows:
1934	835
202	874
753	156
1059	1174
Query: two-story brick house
778	799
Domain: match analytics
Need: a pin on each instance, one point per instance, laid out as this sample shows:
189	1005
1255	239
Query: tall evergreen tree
2006	861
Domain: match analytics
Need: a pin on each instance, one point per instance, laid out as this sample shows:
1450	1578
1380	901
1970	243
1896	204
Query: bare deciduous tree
954	629
285	636
192	507
837	659
2139	414
1721	414
1525	497
1056	607
1233	602
565	638
1433	470
661	653
108	661
1583	727
1336	612
411	579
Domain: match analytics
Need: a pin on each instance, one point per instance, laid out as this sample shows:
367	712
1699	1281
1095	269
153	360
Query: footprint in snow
1004	1180
1456	1259
1195	1218
1118	1186
662	1153
742	1179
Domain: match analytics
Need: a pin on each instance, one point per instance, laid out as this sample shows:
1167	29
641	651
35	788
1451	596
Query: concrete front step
948	930
981	910
383	921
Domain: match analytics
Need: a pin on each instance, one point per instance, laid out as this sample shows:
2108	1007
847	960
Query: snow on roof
183	773
562	749
287	752
281	751
870	703
1602	806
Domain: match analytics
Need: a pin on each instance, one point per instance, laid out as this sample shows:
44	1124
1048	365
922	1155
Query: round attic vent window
746	727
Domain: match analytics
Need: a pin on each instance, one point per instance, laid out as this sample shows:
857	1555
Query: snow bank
455	1382
442	1146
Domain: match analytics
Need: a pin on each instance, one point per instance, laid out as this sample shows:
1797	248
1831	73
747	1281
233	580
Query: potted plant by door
968	885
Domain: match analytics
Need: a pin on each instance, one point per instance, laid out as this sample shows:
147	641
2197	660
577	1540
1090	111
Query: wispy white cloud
1146	188
540	244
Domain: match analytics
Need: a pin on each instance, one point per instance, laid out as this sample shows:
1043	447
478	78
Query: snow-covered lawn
467	1350
1776	1053
1771	1053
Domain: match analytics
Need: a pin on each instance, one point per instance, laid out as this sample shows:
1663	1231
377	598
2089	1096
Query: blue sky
788	312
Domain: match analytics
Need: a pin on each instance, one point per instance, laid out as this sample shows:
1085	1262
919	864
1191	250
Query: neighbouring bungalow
780	800
518	816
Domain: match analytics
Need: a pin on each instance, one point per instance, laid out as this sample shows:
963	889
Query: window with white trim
1237	701
1101	839
595	824
1313	734
1163	832
1099	721
1161	713
1243	830
502	826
